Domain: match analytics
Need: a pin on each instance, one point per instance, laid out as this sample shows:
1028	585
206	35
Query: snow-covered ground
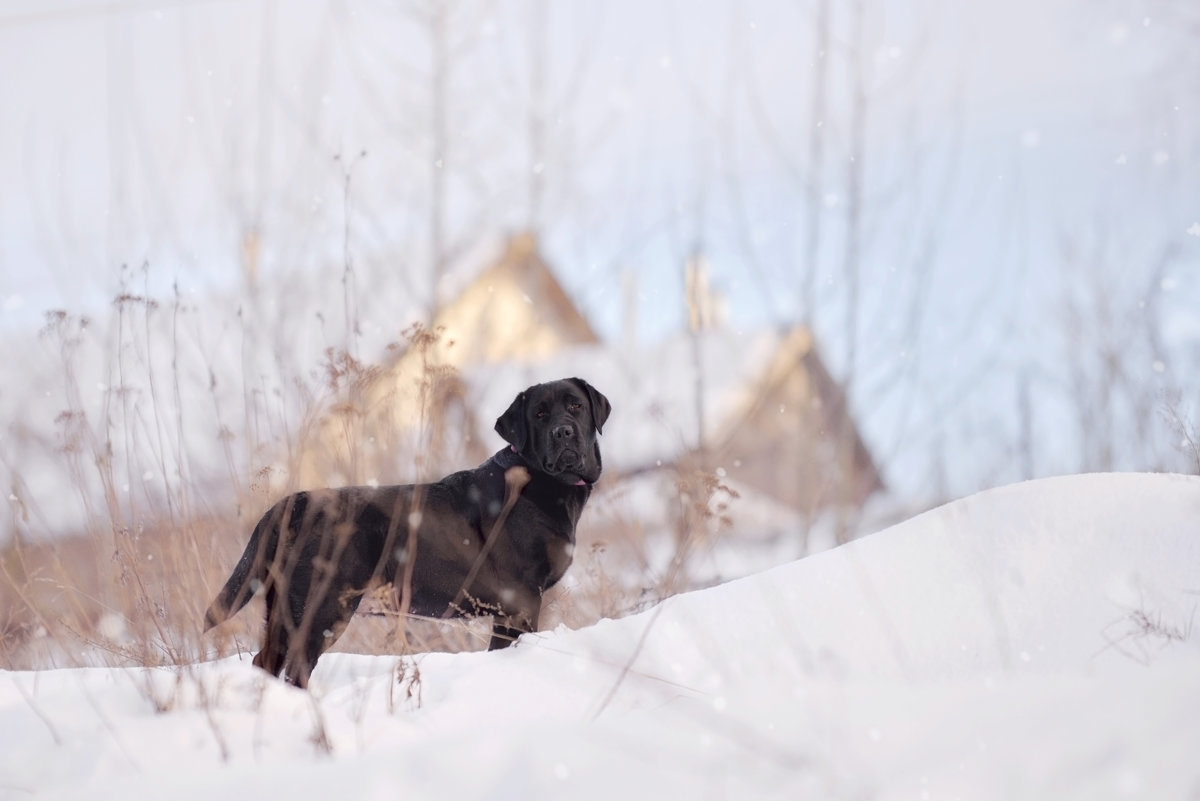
1030	642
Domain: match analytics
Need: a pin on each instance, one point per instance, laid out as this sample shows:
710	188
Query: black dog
487	541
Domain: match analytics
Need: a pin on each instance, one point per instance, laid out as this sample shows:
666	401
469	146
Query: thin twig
37	711
628	666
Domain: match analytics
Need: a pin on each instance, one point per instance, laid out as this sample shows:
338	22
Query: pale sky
155	133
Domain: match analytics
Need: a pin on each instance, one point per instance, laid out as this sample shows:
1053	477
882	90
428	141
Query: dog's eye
574	406
540	414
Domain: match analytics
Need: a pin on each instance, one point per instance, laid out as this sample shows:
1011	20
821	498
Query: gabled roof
514	309
523	265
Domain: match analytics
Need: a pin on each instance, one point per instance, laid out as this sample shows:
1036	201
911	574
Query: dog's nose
563	432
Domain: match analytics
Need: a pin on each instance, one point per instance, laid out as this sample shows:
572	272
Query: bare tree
816	161
434	17
846	199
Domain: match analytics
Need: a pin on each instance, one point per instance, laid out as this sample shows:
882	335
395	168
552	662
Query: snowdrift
1034	641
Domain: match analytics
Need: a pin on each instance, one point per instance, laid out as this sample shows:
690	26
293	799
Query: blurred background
832	262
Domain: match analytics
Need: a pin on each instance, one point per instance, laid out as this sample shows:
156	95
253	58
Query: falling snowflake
1194	229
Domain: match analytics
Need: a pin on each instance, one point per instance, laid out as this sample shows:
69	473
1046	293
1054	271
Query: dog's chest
539	548
534	533
559	554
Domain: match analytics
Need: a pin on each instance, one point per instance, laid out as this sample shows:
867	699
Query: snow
1033	641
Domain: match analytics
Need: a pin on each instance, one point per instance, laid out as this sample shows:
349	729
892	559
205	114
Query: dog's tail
252	571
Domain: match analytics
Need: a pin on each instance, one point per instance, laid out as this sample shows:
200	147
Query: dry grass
132	586
137	597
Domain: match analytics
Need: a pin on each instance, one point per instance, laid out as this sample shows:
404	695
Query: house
410	416
791	435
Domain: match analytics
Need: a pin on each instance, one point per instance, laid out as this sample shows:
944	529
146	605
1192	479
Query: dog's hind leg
275	637
269	659
324	622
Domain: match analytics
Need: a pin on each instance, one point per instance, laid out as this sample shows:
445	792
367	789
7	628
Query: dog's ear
511	424
600	405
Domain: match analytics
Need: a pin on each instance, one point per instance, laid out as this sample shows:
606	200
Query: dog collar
510	457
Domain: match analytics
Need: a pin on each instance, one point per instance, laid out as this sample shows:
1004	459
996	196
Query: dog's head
554	426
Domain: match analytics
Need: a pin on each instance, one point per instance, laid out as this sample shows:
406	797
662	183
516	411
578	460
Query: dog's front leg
507	628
